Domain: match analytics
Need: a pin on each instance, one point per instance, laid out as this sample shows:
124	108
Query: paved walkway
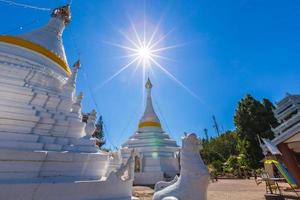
223	189
228	189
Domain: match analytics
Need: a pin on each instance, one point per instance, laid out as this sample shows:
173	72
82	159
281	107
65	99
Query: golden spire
149	119
63	13
148	84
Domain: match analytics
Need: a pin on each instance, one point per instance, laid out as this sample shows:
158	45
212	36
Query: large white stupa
46	151
155	153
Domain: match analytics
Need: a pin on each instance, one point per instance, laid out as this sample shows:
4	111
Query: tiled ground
223	189
235	190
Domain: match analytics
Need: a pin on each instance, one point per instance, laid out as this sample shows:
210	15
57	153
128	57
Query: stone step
21	145
88	149
45	132
12	154
53	147
46	139
61	122
17	116
20	99
46	120
61	117
52	102
19	166
65	105
20	123
20	110
44	126
59	133
62	129
17	105
40	131
45	114
62	141
14	72
11	81
39	100
69	148
16	88
19	95
83	141
18	137
15	129
18	175
14	103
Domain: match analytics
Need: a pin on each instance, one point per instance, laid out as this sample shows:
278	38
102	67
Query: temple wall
24	165
112	189
46	151
35	112
170	165
148	178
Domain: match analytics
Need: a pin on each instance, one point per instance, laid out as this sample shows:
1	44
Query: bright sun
144	53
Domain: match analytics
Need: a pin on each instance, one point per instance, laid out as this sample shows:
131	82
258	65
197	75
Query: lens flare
145	53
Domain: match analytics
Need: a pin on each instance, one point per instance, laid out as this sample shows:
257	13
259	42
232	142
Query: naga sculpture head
191	142
194	177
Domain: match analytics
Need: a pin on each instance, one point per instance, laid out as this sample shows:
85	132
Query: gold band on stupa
144	124
36	48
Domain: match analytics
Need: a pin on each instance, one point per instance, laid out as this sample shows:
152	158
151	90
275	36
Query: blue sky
231	48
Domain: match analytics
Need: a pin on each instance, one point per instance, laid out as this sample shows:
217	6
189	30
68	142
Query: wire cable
163	118
23	5
106	135
128	123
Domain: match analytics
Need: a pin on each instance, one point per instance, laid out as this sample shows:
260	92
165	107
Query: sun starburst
145	53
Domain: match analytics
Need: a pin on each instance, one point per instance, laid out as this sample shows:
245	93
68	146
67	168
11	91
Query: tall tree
99	132
217	150
253	118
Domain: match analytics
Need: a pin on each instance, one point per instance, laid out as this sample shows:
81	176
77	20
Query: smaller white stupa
155	153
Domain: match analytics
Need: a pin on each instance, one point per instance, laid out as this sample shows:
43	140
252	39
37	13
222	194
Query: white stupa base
156	169
44	189
46	150
147	178
50	175
19	165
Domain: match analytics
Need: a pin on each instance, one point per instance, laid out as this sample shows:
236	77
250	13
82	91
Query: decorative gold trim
37	48
143	124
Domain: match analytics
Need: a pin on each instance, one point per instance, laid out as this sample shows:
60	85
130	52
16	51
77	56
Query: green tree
99	132
232	164
217	150
253	118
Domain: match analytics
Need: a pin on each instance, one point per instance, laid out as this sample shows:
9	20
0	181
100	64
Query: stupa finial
64	13
149	118
77	64
148	84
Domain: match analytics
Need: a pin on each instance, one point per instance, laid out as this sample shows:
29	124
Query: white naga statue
194	176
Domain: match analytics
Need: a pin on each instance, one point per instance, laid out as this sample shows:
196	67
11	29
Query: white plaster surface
46	151
154	148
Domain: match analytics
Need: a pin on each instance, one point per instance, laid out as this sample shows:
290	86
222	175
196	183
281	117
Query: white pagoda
46	151
155	153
